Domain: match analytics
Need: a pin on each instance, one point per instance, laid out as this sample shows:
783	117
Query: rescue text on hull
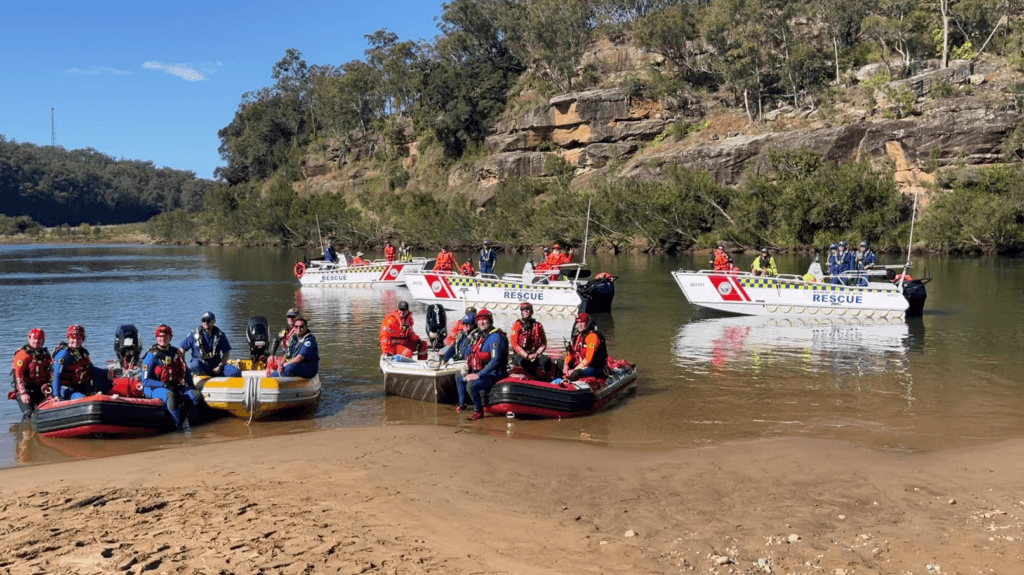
743	293
257	395
568	295
378	272
424	380
522	396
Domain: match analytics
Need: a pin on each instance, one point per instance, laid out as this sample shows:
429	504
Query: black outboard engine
257	333
437	325
127	346
915	293
597	295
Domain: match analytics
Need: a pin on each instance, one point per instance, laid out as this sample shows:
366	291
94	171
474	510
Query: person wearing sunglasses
210	349
302	358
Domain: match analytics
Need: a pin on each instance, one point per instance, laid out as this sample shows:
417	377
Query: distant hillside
54	186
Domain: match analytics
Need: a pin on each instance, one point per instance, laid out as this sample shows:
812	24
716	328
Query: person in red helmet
529	342
397	336
33	368
487	363
74	375
587	356
164	377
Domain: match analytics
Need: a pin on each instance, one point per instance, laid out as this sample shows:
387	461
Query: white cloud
94	70
181	70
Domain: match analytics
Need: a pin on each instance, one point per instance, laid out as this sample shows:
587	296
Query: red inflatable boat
525	397
101	415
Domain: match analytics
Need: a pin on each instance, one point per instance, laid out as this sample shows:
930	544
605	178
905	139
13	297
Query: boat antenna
586	233
910	244
318	230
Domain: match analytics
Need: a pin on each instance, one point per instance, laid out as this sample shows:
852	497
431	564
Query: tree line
52	186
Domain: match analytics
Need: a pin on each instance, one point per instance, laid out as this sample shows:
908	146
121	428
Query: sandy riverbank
434	500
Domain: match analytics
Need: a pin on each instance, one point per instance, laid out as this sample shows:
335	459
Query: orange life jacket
394	330
389	252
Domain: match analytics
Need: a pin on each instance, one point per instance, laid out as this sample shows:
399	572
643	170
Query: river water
953	377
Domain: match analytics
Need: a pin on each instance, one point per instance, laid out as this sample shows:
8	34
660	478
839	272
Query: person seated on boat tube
844	262
404	253
456	328
721	261
466	335
330	256
359	261
529	342
488	258
445	261
467	268
397	336
764	265
389	251
210	349
587	355
33	369
284	338
74	375
486	364
165	377
302	358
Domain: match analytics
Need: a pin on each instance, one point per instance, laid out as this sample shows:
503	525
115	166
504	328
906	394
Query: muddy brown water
953	377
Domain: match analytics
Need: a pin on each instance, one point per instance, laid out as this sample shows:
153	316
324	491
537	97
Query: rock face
973	128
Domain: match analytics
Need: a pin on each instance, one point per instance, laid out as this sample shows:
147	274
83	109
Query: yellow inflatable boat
255	395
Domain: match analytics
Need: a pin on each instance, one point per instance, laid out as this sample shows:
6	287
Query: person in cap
330	256
359	261
465	336
488	258
33	368
165	377
587	354
545	262
74	375
302	357
558	257
721	261
210	349
764	265
284	337
389	251
397	336
455	328
486	364
529	342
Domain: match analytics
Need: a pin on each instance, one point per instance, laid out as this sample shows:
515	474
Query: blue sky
156	81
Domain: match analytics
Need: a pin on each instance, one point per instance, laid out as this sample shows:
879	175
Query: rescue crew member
284	338
543	265
455	328
164	377
721	261
764	265
587	356
445	261
487	363
33	368
330	255
488	258
389	251
467	269
464	339
559	258
397	336
865	258
74	375
529	342
210	349
833	261
844	263
359	261
404	253
303	356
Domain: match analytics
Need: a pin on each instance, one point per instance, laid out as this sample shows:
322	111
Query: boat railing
850	279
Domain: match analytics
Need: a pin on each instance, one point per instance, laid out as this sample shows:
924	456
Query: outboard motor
127	346
257	333
437	325
916	294
596	296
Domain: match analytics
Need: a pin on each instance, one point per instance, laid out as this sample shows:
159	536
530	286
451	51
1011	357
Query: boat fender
300	269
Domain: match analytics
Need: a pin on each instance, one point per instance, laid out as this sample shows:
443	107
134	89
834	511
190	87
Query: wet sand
436	500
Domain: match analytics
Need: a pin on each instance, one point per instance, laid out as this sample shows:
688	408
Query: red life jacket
33	365
528	338
79	371
579	349
389	253
467	269
478	357
169	367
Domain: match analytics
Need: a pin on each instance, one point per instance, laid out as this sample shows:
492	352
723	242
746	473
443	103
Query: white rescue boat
425	380
343	274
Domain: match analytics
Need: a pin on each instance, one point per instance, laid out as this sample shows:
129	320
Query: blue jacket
844	262
459	349
488	258
206	348
78	372
306	347
330	255
864	259
497	344
159	357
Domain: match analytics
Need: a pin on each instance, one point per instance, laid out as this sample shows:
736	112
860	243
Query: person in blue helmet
302	358
864	260
164	377
833	262
488	257
210	348
464	339
487	362
844	263
74	375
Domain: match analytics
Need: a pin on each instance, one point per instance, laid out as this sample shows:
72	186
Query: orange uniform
398	338
32	373
723	262
445	262
389	252
526	340
588	350
467	269
358	261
